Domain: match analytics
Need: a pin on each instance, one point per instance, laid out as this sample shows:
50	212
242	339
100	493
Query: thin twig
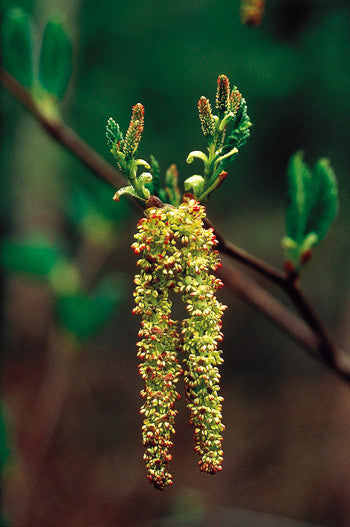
247	289
333	358
291	286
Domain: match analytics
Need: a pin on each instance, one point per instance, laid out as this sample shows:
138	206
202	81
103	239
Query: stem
332	357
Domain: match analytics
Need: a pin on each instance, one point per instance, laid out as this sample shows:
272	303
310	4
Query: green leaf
313	199
300	196
113	132
313	204
241	129
85	315
55	65
33	255
325	206
17	46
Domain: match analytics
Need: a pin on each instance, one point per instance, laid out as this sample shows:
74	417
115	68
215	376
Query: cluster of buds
252	12
177	255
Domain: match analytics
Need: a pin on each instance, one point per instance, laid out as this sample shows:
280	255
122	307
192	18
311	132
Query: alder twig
291	286
323	346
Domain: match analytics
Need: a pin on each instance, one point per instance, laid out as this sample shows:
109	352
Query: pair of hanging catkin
177	254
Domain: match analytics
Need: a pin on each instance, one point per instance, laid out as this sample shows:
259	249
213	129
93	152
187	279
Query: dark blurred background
287	420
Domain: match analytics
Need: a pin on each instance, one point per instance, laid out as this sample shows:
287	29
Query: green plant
176	247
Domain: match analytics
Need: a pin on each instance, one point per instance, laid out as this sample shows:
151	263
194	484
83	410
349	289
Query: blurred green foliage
55	59
17	46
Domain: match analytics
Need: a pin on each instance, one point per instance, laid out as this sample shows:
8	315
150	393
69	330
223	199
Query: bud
206	117
252	12
223	94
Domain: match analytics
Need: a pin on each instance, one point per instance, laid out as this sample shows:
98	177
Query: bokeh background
287	437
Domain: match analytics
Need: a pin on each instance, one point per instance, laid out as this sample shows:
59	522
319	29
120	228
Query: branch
313	335
63	134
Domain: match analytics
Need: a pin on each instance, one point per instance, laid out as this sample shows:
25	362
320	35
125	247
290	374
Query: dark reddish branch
317	340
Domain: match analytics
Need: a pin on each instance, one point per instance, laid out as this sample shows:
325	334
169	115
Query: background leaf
85	315
34	255
55	59
17	46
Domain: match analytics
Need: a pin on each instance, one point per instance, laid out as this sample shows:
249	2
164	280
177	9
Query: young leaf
195	184
326	199
313	204
113	133
17	46
34	255
300	197
55	65
241	128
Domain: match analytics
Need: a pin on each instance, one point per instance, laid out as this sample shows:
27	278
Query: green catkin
201	332
159	366
177	255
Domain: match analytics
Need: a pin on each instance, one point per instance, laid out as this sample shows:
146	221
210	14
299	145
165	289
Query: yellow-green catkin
178	255
158	343
201	332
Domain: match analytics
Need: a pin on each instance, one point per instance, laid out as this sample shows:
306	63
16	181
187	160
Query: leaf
33	255
85	315
325	206
154	187
113	133
313	199
300	197
241	129
17	46
55	65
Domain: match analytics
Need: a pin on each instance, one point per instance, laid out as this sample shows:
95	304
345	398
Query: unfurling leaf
55	59
195	184
313	204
